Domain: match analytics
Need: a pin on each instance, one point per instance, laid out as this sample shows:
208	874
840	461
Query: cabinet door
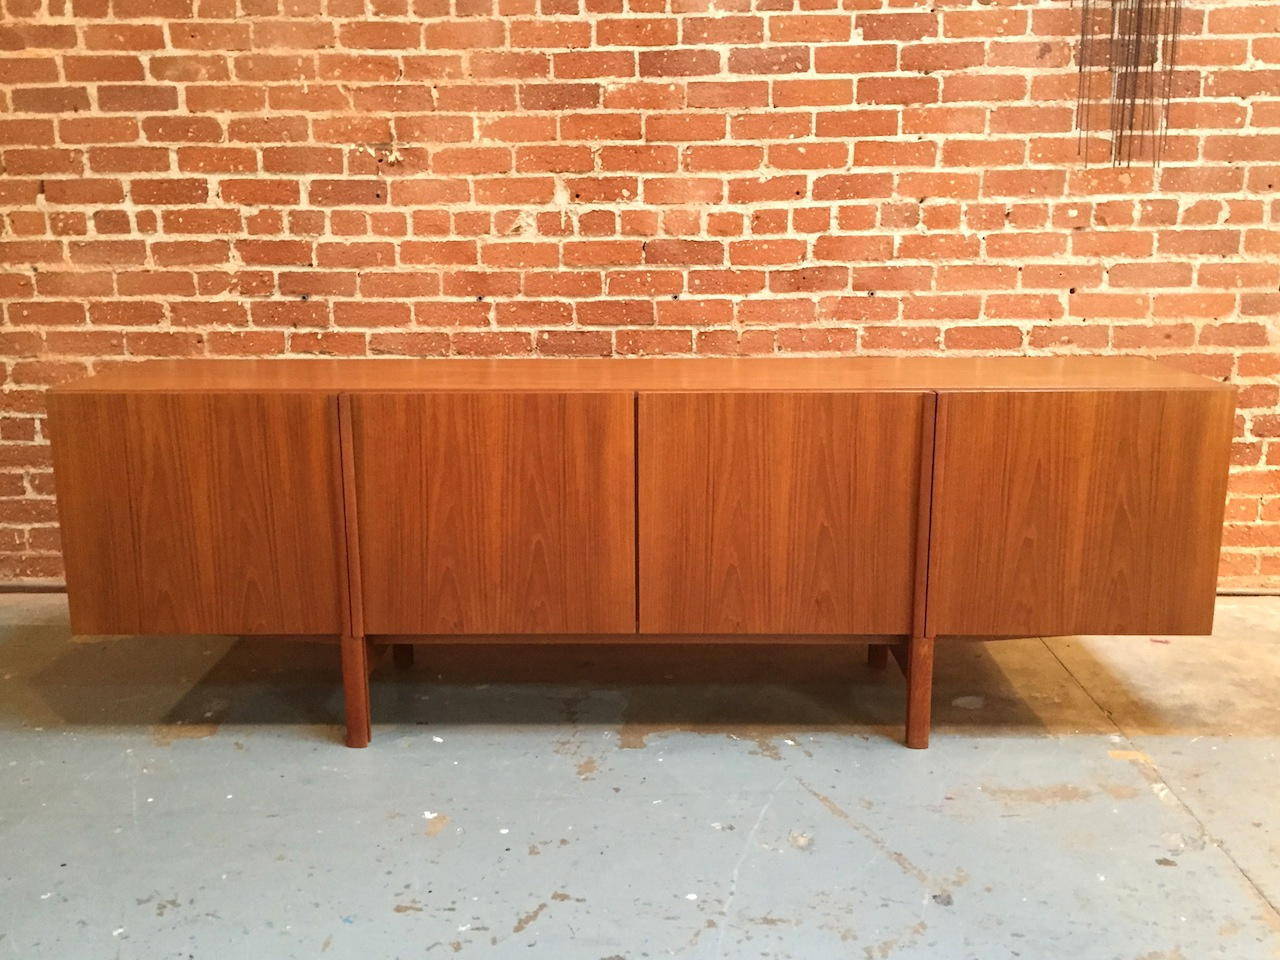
1077	512
199	513
778	512
496	512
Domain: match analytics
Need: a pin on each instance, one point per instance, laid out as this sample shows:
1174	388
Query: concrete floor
1083	799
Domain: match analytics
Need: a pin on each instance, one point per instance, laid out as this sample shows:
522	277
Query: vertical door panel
778	512
496	512
199	513
1061	513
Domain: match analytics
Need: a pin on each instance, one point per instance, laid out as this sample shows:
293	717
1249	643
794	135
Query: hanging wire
1140	52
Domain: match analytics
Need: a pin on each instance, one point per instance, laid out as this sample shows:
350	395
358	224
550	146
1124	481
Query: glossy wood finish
650	639
199	513
355	690
919	671
356	662
496	512
633	374
918	658
780	499
352	586
95	512
1078	512
778	512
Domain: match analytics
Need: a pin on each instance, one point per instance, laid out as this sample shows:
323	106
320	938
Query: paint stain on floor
164	798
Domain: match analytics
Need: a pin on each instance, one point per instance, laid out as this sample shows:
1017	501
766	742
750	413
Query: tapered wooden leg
355	688
402	655
878	656
919	690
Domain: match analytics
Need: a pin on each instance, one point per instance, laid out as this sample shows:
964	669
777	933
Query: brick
674	190
190	252
45	313
615	312
387	36
328	193
900	90
901	26
534	313
982	338
722	30
600	126
100	67
810	28
637	32
653	95
41	132
137	97
463	35
438	252
678	63
491	344
574	343
558	96
123	36
812	93
775	312
107	251
50	99
650	159
856	59
274	251
292	34
984	23
769	60
165	191
551	34
683	252
18	69
577	65
152	9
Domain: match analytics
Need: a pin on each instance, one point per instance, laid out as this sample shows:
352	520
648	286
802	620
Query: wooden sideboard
891	501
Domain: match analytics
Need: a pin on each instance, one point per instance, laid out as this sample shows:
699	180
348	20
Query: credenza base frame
360	655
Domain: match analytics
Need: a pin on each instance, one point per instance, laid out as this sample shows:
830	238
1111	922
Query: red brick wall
564	177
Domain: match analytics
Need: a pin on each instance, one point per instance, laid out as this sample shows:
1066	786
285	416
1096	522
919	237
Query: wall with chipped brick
621	177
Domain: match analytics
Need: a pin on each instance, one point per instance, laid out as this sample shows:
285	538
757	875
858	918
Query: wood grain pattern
924	516
919	671
1078	513
355	691
496	512
232	521
99	545
778	512
351	592
647	373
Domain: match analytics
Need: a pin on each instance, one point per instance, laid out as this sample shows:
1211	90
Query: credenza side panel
496	512
1058	513
233	521
95	514
778	512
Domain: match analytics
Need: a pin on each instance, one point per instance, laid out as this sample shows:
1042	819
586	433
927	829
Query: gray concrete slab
189	797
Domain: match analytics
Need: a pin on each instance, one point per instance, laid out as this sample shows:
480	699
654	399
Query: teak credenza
893	501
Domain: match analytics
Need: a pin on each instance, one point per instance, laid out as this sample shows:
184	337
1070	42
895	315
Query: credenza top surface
701	374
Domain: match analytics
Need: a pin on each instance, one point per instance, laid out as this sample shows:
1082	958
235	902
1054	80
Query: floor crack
737	867
1158	777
